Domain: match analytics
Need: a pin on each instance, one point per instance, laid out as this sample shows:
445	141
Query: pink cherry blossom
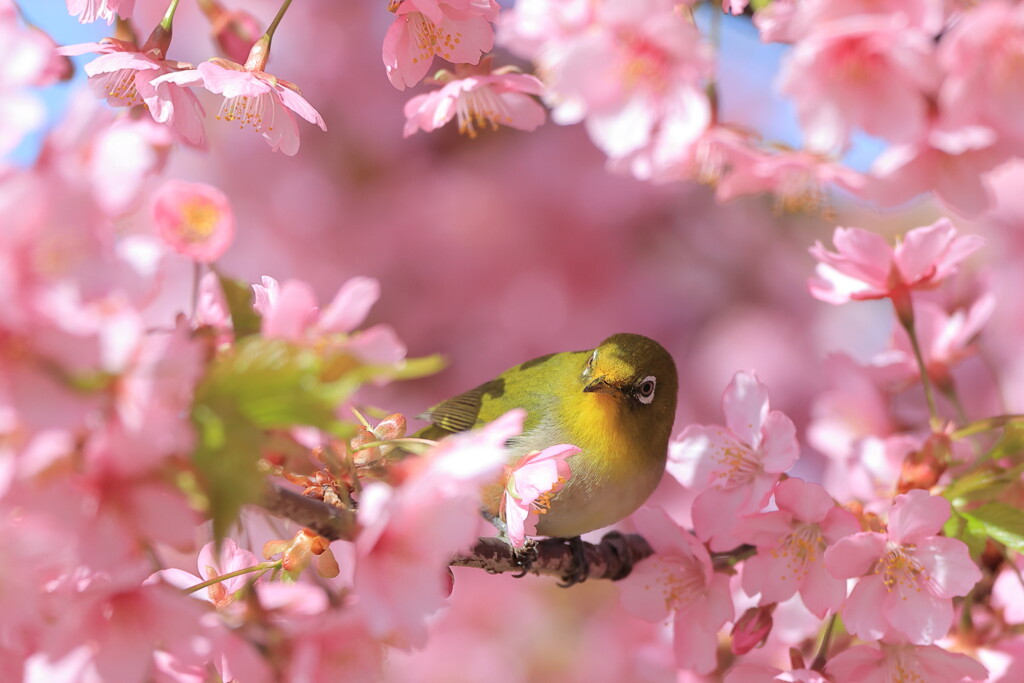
456	30
791	543
733	468
951	162
872	72
796	178
878	663
981	58
531	481
194	219
25	59
290	312
123	156
758	673
127	75
231	558
636	74
478	102
252	98
89	11
945	339
409	532
678	581
908	575
864	266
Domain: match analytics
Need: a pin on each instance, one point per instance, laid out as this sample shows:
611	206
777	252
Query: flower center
737	465
248	111
430	38
800	548
198	220
480	108
900	570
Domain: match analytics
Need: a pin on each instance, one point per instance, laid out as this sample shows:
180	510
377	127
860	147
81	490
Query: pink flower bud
752	629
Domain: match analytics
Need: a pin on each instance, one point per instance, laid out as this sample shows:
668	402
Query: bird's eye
645	390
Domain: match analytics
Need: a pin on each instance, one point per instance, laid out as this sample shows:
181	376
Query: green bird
616	402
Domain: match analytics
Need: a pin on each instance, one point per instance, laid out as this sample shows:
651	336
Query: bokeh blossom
194	219
734	467
908	575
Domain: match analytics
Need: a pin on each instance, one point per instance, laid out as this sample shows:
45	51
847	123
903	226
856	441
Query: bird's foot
524	557
580	567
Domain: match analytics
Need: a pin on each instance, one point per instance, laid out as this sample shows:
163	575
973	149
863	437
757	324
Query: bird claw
524	558
580	567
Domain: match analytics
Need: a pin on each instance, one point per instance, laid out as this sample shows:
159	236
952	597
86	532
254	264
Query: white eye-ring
645	390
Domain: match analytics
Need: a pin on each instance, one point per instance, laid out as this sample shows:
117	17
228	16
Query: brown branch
612	558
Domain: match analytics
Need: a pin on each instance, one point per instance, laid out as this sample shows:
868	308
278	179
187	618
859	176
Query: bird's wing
462	412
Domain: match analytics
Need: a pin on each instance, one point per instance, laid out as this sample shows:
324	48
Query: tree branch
612	558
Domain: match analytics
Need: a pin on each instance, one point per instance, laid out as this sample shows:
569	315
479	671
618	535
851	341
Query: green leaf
969	531
1010	444
259	385
238	294
999	521
976	486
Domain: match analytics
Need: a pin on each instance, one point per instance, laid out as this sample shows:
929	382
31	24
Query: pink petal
921	617
644	592
298	104
691	456
694	644
821	592
779	449
401	56
839	523
808	502
916	515
350	305
922	247
862	614
232	82
951	571
745	405
293	312
664	535
378	345
854	555
772	577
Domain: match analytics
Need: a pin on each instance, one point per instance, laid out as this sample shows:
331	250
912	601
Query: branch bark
612	558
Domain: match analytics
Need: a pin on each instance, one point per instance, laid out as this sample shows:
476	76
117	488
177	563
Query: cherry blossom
981	57
290	312
864	266
945	339
89	11
951	162
410	531
758	673
908	575
531	482
678	581
478	101
230	559
235	31
791	543
871	72
877	664
456	30
252	97
733	468
127	75
194	219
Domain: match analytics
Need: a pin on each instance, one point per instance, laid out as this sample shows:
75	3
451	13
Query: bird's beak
601	386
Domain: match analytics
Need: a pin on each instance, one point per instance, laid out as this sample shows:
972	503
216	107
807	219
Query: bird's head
639	372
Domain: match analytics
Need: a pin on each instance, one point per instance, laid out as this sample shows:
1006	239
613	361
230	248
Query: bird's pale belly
587	502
